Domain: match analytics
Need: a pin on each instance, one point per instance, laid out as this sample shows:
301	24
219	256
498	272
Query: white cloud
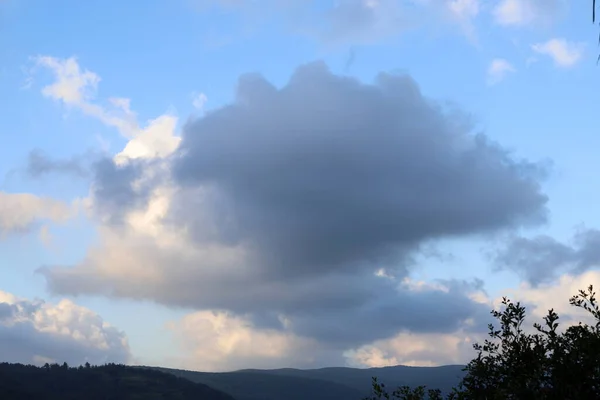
199	101
38	332
156	140
416	349
526	12
464	13
464	8
72	85
498	70
76	87
556	295
564	53
221	341
21	212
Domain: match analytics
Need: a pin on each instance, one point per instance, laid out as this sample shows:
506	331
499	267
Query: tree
515	365
403	392
594	21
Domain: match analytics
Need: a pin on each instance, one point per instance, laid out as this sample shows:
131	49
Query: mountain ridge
327	383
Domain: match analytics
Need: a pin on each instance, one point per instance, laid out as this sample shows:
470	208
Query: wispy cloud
527	12
498	70
22	212
76	87
199	100
564	53
353	21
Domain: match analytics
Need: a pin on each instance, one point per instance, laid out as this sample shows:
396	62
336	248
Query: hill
443	378
115	382
320	384
263	386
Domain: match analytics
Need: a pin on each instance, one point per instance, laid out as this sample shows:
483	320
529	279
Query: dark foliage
108	382
516	365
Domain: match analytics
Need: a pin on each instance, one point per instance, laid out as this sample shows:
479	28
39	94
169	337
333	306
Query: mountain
443	378
115	382
320	384
264	386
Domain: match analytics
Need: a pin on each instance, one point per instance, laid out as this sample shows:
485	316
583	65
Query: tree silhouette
515	365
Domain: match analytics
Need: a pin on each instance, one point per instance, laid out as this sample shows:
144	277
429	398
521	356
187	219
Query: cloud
364	21
433	349
498	70
22	212
351	21
72	85
528	12
418	350
555	295
76	88
275	214
37	332
221	341
540	258
346	187
464	8
199	101
40	164
564	53
464	12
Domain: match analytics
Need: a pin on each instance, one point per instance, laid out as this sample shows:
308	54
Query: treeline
106	382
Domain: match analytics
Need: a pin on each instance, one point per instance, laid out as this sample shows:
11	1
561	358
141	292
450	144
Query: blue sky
523	71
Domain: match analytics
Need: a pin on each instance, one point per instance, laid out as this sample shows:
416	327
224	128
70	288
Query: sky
225	184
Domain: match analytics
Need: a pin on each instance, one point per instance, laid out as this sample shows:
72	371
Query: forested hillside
114	382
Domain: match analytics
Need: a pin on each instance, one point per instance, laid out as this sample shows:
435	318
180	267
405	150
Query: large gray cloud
382	315
37	332
329	173
290	199
540	258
